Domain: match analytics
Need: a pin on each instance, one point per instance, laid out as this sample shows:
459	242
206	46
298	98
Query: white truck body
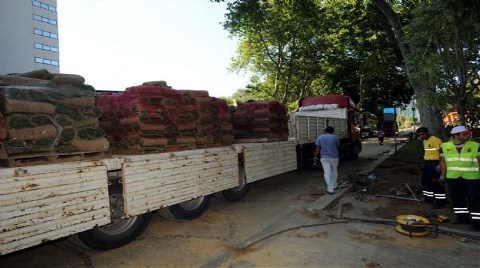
309	124
46	202
311	121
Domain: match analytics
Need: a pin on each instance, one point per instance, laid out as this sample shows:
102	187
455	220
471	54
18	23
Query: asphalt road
276	225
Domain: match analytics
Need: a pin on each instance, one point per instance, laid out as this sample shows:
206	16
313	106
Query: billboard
389	114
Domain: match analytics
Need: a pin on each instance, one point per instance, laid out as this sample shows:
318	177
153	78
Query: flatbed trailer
107	203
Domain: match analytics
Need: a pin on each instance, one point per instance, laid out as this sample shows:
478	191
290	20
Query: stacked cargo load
214	122
260	121
46	114
156	118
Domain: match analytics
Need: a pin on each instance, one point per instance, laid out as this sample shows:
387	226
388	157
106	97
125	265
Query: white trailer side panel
46	202
159	180
263	160
307	126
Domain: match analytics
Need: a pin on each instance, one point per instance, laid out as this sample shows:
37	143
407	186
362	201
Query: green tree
365	60
303	48
441	52
277	43
446	34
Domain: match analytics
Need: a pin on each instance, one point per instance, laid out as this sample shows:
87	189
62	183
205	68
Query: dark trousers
433	191
465	195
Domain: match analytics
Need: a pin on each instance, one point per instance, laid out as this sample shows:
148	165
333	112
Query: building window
43	5
45	33
46	47
46	61
44	19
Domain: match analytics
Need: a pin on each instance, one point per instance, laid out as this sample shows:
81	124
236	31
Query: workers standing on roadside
327	148
460	168
433	190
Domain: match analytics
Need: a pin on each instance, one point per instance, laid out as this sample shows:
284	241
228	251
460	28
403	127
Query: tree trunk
429	115
359	105
430	118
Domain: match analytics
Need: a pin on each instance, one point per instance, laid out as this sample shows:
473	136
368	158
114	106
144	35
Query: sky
115	44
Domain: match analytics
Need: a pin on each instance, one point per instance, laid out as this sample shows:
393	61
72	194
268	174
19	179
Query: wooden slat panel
52	201
41	194
77	223
176	180
52	214
170	178
260	174
47	202
173	196
308	128
169	169
170	160
269	159
12	174
29	182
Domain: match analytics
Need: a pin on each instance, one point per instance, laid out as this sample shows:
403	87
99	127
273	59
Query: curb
328	201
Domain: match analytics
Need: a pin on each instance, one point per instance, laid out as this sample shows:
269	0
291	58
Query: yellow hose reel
412	225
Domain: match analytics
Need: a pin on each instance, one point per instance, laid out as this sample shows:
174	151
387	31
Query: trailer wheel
187	210
120	231
116	234
236	193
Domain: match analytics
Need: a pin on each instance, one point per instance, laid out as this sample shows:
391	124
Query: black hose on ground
344	219
290	229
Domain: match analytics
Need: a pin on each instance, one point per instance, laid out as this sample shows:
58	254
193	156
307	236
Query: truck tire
236	193
120	231
187	210
116	234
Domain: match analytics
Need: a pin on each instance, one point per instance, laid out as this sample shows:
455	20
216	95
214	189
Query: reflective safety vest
463	164
431	146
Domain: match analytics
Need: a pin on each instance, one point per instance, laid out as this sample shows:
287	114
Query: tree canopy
445	37
380	52
305	48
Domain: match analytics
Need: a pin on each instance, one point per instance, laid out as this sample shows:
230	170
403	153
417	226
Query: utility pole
395	126
413	115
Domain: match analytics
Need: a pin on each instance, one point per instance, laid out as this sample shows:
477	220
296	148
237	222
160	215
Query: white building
29	36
